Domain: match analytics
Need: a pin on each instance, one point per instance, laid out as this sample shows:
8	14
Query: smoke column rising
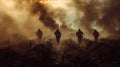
24	17
102	15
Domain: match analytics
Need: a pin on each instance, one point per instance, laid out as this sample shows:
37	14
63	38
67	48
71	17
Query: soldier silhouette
39	34
57	35
79	35
96	35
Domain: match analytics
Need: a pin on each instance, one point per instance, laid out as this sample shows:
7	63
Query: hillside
67	54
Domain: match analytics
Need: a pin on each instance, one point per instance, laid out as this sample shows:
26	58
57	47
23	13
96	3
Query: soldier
57	35
96	35
39	34
79	35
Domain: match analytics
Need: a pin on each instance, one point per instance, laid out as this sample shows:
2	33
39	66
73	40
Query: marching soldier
39	34
96	35
57	35
79	35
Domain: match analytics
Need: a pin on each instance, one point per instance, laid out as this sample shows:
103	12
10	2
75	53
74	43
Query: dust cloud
19	19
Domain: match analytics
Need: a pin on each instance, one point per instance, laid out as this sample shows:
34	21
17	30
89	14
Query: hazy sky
21	18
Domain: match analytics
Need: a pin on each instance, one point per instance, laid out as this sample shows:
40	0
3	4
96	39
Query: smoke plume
24	17
45	17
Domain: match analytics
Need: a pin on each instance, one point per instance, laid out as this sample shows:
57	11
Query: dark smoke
111	20
91	14
45	17
106	15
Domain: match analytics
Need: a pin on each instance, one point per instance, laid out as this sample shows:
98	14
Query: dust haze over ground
19	19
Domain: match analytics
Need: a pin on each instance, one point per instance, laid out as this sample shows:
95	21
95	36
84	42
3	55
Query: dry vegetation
67	54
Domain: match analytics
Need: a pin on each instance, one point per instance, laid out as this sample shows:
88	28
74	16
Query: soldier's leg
79	40
96	39
58	40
